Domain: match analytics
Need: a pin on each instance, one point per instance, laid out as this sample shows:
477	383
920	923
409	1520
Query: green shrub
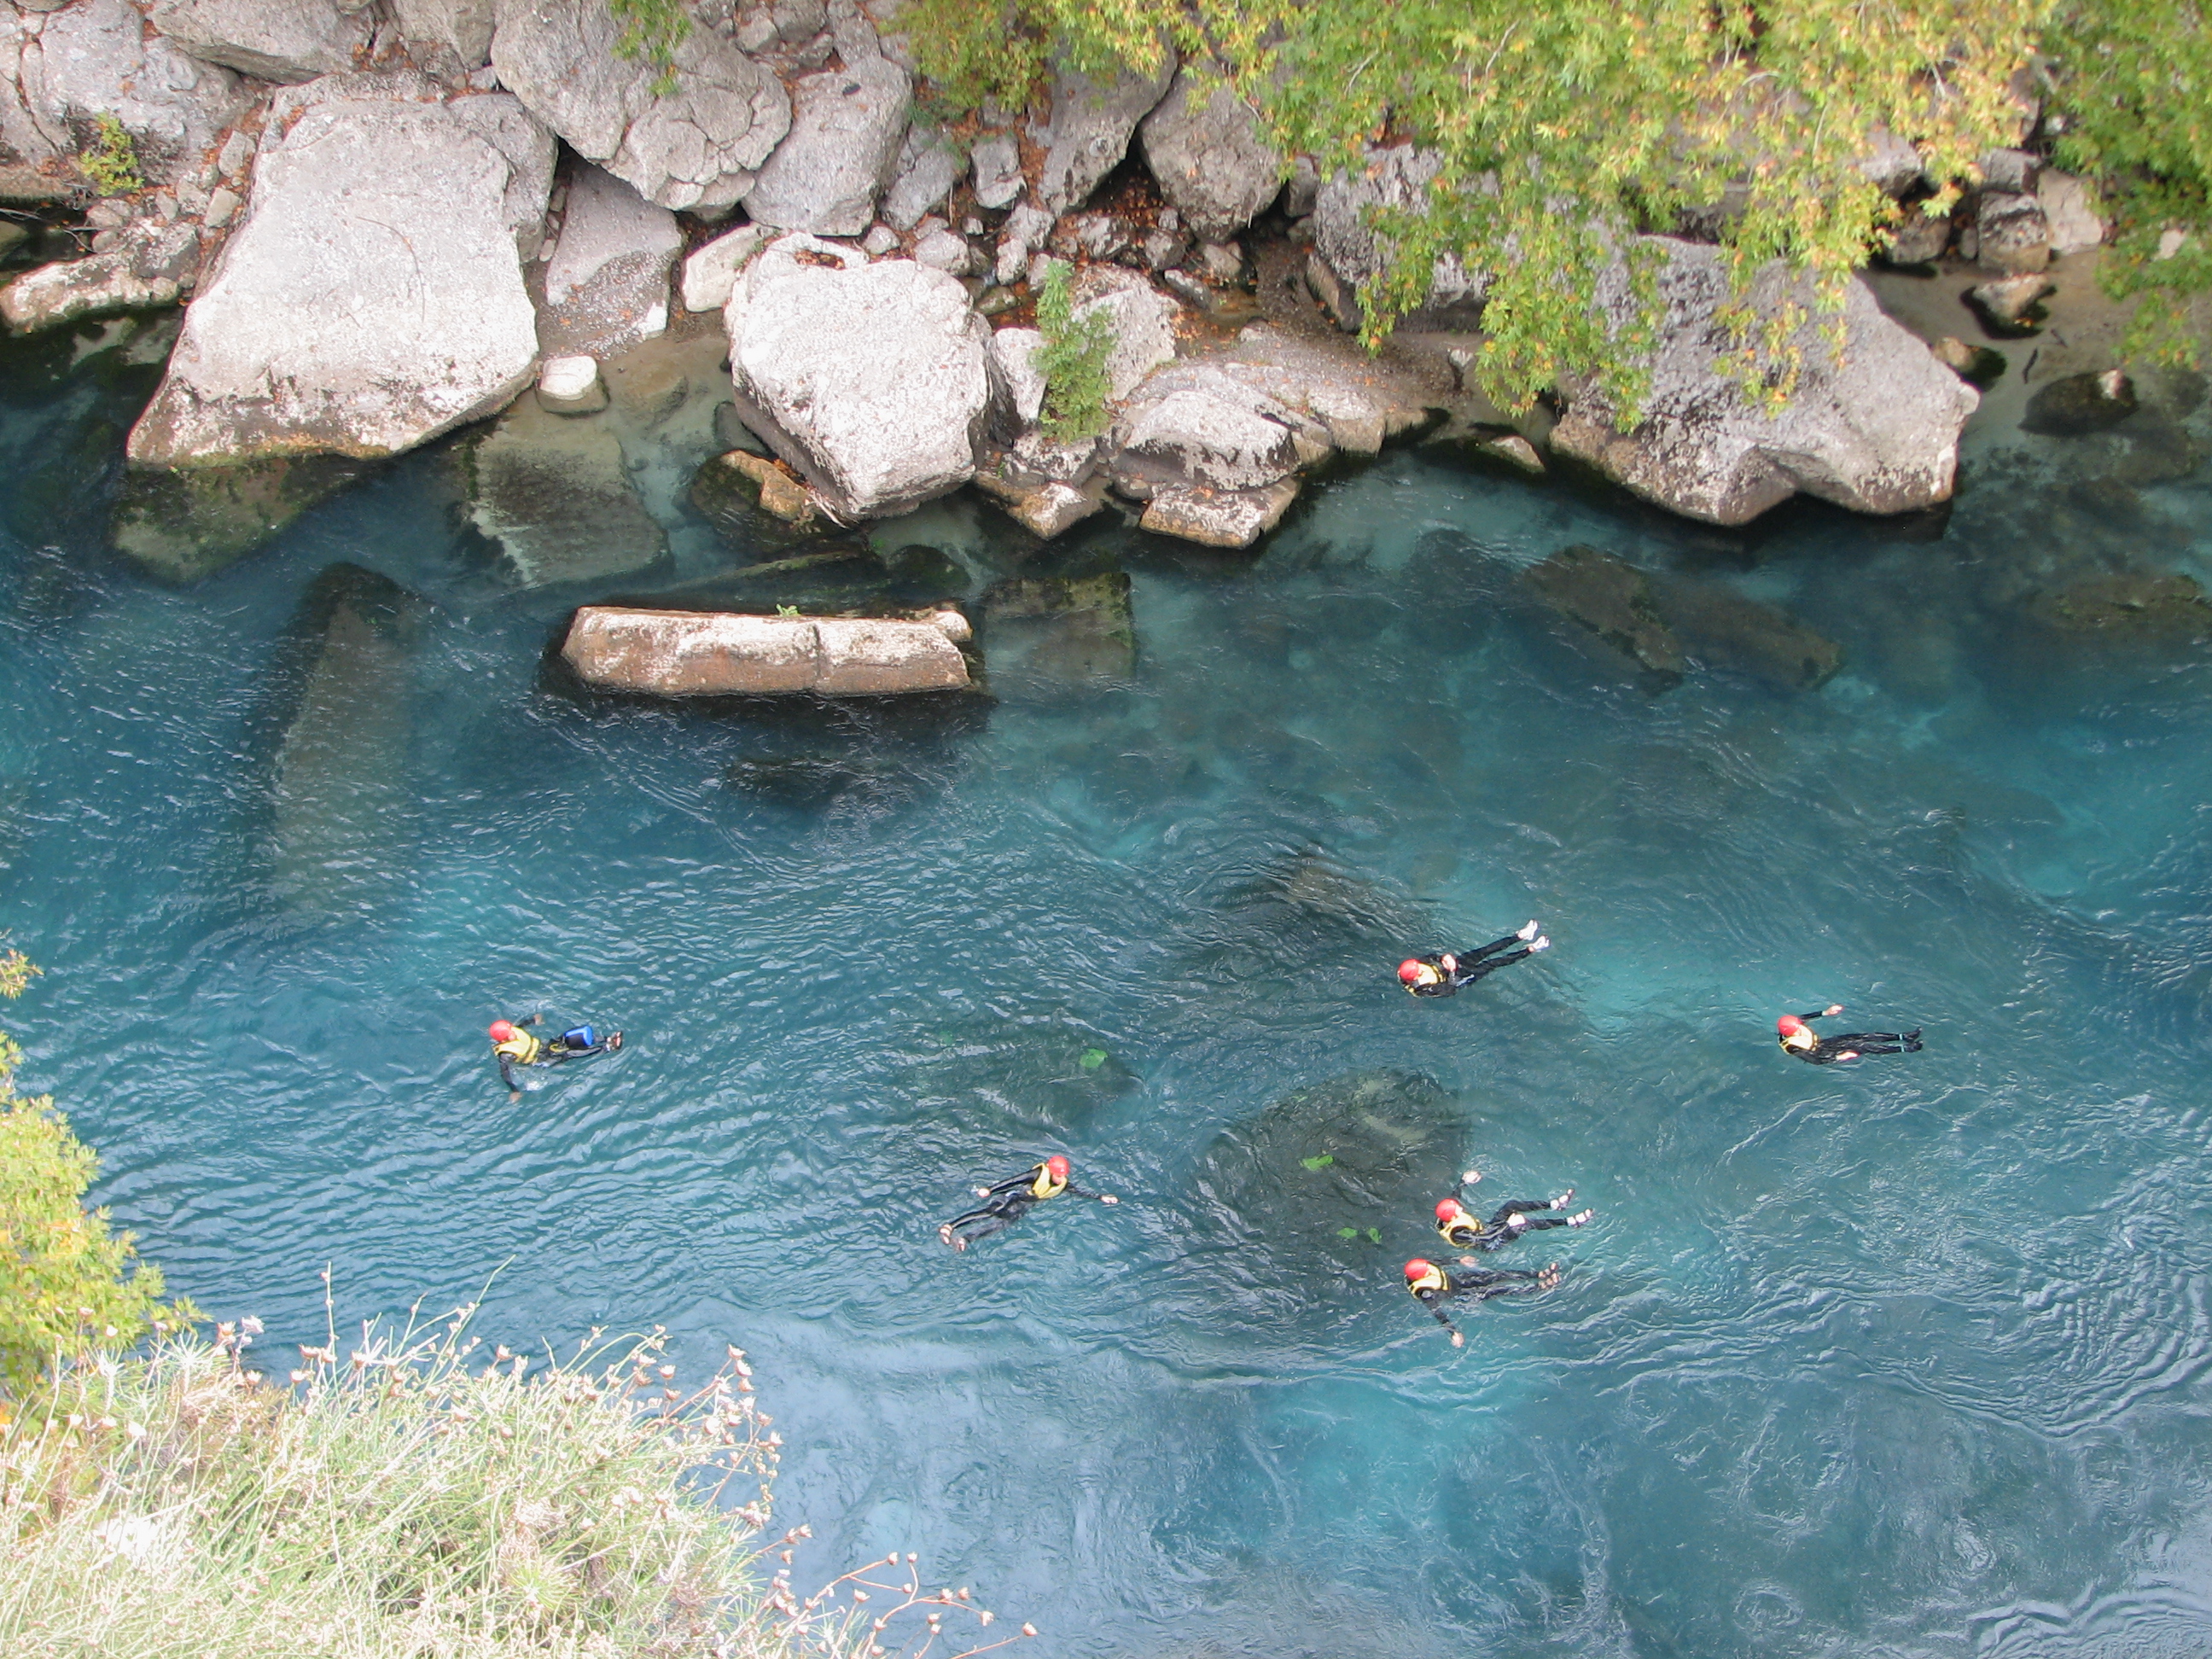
68	1287
1072	360
651	30
110	159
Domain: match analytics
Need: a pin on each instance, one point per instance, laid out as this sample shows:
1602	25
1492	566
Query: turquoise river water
1909	1358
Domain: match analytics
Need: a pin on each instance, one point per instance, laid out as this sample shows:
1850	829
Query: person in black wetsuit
1007	1202
515	1046
1434	1288
1458	1227
1798	1038
1443	976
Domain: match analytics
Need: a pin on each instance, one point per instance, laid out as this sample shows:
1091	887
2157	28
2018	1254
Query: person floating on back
516	1047
1010	1201
1798	1039
1460	1229
1434	1288
1443	976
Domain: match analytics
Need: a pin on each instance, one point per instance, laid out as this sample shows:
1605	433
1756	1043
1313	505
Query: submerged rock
1310	1189
185	524
339	793
2077	403
1728	630
757	502
692	653
1876	429
1613	600
556	495
835	578
698	148
327	328
2143	603
1060	631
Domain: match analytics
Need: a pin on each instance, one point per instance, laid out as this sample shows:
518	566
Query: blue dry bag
578	1037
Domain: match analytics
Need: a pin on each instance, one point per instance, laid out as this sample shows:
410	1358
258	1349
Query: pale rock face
147	272
273	40
698	149
711	272
998	163
606	288
1210	158
1090	129
680	653
372	299
572	385
870	380
462	27
2068	213
1013	353
1394	177
928	170
1143	320
59	72
826	174
1876	431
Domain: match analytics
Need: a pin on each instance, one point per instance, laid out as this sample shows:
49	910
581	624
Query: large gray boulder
698	148
1876	429
373	297
871	380
1091	128
60	71
1141	318
606	286
846	126
435	28
1211	159
1394	177
927	169
273	40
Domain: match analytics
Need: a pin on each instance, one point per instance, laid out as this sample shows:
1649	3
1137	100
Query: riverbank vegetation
1557	132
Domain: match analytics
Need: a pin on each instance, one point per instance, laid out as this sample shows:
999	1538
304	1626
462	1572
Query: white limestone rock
1013	355
572	385
606	287
2069	215
1090	129
870	380
1211	159
691	654
1219	518
149	270
1142	318
272	39
457	31
59	72
827	173
998	163
698	149
712	271
927	172
372	299
1876	431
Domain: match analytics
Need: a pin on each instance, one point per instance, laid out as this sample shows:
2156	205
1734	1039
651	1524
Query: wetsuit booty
614	1041
1580	1218
1912	1041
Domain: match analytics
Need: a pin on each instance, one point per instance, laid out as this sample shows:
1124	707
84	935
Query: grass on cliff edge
410	1496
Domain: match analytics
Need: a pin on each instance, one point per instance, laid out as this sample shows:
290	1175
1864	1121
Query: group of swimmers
1432	1286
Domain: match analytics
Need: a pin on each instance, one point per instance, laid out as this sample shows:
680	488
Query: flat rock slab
1613	599
606	288
690	654
1219	518
372	300
1874	429
272	39
147	271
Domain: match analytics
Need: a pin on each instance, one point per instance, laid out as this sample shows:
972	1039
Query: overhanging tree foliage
1560	131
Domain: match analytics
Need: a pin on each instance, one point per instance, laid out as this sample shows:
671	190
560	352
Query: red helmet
1410	969
1447	1209
1417	1269
1789	1025
1056	1167
501	1032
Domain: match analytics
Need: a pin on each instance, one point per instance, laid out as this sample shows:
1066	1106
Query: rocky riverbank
398	220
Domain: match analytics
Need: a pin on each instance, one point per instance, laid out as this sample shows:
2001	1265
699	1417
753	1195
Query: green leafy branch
1072	360
651	31
110	159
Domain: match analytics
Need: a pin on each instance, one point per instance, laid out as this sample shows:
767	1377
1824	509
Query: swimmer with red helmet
1008	1201
1442	975
516	1047
1434	1288
1459	1228
1797	1038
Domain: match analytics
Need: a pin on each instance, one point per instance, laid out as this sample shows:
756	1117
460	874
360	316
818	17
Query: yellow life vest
1461	1223
1044	1186
522	1049
1433	1280
1800	1040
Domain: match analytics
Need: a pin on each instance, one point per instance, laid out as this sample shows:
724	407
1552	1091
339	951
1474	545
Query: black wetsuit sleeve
1444	987
1012	1183
1434	1301
1074	1191
1482	1285
507	1074
1817	1013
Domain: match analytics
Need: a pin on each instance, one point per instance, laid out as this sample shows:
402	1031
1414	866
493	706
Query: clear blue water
1906	1359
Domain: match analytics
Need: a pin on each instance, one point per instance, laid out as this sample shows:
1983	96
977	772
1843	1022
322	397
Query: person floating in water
1460	1229
1798	1039
1442	975
1434	1288
516	1047
1007	1202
